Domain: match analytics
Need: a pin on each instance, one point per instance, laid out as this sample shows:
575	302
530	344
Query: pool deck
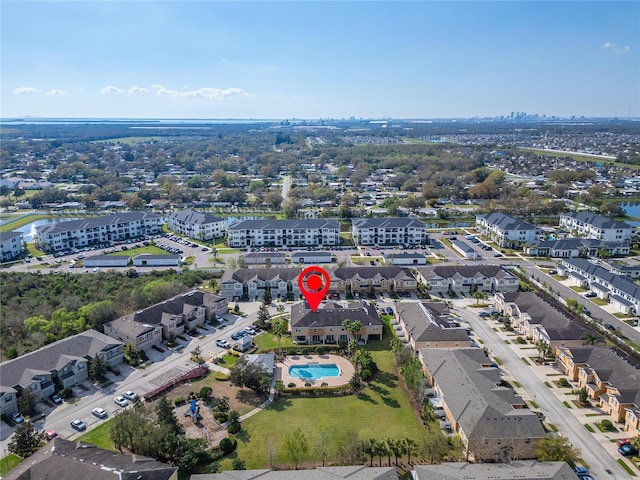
281	370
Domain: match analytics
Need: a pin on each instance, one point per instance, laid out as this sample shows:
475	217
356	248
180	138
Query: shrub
563	382
66	393
320	350
292	351
306	351
205	392
221	417
234	427
179	401
607	425
324	384
307	384
291	385
228	445
221	376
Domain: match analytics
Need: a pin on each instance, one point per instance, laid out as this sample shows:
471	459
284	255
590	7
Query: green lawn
228	360
382	411
21	221
138	251
99	436
267	342
8	463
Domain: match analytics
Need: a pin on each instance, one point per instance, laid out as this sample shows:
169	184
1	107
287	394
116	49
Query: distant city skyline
417	59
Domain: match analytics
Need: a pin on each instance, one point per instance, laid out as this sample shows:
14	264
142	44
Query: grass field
267	342
381	411
579	157
99	436
140	250
8	463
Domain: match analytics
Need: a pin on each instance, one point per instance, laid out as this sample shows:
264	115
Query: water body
29	230
631	209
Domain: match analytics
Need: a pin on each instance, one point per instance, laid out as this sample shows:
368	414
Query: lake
29	230
631	209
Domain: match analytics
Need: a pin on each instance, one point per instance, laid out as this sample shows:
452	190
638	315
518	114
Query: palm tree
541	346
411	447
428	414
279	327
479	295
381	450
352	327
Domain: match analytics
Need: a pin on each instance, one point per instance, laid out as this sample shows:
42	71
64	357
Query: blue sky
303	59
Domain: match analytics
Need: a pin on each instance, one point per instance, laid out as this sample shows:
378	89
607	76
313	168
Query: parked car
591	294
627	450
17	417
55	398
78	425
99	412
129	395
223	344
121	401
50	434
484	313
552	272
249	330
236	336
580	470
622	441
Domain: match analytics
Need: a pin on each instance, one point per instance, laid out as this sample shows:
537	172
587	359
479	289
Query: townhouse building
389	231
536	319
619	290
526	469
507	231
197	225
175	316
429	325
62	364
72	460
350	472
466	278
375	280
10	245
284	233
63	236
576	247
492	421
591	225
611	382
325	324
251	284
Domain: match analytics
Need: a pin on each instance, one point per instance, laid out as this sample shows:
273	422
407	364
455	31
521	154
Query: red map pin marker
311	282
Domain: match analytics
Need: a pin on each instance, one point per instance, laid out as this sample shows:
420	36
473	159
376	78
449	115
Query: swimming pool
314	371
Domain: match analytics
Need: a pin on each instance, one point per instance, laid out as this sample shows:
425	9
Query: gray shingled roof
465	271
92	222
557	325
356	472
522	470
263	274
198	218
70	460
507	222
332	314
428	322
21	370
598	221
481	407
310	223
618	281
347	273
394	222
4	236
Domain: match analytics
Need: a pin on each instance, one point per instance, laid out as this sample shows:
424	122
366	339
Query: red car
622	441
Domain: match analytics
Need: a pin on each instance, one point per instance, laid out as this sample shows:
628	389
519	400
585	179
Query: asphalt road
594	454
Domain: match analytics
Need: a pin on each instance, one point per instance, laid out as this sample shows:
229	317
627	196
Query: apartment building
63	236
197	225
284	233
591	225
507	231
252	283
576	247
464	278
10	245
389	231
429	325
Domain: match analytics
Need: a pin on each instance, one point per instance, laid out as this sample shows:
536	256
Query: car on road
622	441
129	395
484	313
55	398
627	450
121	401
591	294
610	327
223	344
78	425
99	412
17	417
50	434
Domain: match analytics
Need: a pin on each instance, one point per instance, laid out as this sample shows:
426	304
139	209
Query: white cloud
207	92
110	89
25	91
56	93
615	48
136	89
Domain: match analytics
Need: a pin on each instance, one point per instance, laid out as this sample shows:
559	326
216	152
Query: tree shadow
243	436
249	397
391	402
387	379
280	405
366	398
378	389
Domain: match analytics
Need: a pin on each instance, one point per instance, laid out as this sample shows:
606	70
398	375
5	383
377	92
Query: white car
223	344
99	412
121	401
129	395
17	417
250	330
